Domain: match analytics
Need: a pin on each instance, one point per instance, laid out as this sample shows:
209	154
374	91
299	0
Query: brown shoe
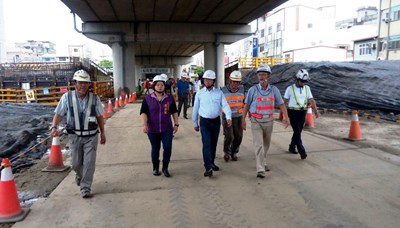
234	157
226	157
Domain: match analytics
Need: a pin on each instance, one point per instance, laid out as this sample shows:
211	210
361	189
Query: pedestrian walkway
338	185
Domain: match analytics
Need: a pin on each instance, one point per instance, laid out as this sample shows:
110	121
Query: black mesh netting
373	86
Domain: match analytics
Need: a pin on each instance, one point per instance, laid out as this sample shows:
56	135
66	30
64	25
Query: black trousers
183	100
297	119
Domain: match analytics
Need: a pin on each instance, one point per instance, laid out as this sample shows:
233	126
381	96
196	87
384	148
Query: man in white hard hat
260	103
208	104
84	120
234	95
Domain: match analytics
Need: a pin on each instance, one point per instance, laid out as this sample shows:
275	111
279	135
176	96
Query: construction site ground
341	184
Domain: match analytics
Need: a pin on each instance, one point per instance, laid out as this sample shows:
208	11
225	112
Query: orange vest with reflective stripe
235	100
265	105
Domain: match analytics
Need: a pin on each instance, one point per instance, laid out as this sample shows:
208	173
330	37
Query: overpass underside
153	33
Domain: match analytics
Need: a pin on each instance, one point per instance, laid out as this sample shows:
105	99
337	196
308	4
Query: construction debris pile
370	86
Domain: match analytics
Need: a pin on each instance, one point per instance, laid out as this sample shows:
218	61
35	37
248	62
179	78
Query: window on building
262	33
269	30
309	25
365	49
62	59
262	48
278	27
392	45
395	15
76	50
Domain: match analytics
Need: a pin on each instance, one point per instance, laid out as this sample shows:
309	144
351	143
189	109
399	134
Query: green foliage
199	70
107	64
139	92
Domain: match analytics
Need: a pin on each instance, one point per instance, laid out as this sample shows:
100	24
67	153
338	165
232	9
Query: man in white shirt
208	104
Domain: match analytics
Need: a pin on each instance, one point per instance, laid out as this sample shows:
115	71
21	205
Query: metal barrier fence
256	62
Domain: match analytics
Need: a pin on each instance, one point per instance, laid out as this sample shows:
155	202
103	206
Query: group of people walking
229	106
211	106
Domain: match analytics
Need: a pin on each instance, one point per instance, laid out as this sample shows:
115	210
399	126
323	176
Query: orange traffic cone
134	97
355	130
121	104
55	160
309	117
126	100
116	103
110	107
10	210
105	113
130	98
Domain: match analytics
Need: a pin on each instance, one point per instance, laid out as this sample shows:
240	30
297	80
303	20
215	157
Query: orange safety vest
264	105
235	100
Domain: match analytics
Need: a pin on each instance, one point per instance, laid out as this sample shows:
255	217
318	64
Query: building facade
389	30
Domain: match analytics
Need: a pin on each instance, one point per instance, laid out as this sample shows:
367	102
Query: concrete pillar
177	71
117	52
214	60
130	77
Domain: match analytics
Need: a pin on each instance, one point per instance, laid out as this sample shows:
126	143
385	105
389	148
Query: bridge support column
123	67
214	60
177	71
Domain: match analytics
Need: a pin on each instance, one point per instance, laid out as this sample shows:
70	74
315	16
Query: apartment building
389	30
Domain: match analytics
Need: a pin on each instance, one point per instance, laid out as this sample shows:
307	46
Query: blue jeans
155	141
209	129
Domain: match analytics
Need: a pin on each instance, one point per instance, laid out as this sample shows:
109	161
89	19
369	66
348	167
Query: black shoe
261	174
186	117
165	169
266	168
156	172
214	167
208	173
303	156
292	149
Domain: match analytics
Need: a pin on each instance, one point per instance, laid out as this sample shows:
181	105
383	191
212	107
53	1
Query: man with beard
260	103
84	117
208	104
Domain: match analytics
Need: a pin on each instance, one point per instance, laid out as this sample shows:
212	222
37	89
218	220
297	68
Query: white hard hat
235	76
209	74
164	76
81	76
183	75
158	78
303	75
264	68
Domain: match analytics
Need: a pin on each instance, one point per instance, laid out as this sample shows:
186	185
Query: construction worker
208	104
234	95
146	86
84	119
156	111
260	103
297	97
183	89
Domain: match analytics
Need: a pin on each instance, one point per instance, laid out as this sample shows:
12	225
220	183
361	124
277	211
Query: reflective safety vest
265	105
235	100
82	122
300	107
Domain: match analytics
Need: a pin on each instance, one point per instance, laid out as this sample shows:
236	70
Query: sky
51	20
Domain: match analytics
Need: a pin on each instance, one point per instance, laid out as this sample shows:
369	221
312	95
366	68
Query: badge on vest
92	119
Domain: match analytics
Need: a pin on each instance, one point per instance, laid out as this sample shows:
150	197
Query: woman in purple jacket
156	111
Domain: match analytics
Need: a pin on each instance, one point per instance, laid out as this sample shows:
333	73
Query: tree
199	70
107	64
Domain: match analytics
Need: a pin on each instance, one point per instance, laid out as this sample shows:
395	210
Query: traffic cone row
10	209
110	107
55	159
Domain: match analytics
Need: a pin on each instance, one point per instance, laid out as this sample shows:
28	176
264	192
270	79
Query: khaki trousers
261	140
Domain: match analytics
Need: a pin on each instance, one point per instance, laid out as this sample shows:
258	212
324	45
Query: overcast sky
51	20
